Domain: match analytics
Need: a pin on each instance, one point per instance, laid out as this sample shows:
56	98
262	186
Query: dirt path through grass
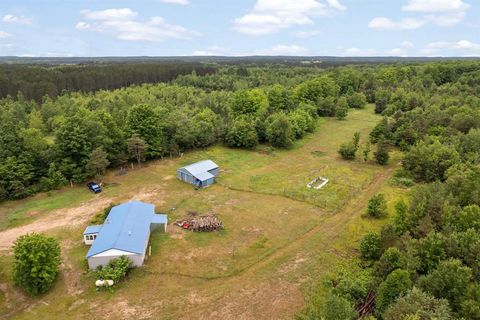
327	231
59	218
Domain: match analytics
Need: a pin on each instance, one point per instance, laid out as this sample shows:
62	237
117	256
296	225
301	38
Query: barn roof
126	228
200	167
204	176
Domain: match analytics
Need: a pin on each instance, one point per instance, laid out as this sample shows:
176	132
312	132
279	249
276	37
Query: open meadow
280	237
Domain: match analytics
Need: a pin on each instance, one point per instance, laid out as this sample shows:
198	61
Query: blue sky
240	27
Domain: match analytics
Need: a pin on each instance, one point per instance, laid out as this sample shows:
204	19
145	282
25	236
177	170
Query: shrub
417	302
449	281
36	259
241	133
371	246
342	108
389	261
99	218
115	270
347	151
395	285
279	131
357	100
381	155
377	206
338	308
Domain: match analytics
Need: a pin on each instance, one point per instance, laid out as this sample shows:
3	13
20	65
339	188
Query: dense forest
424	264
36	81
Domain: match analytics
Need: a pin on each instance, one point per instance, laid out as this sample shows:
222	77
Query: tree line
34	82
77	135
425	262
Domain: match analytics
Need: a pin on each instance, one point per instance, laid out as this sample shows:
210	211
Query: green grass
15	213
276	230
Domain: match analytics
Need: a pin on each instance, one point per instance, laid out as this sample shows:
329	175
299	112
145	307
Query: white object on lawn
323	180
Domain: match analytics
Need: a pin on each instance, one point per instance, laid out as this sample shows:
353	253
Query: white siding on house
114	252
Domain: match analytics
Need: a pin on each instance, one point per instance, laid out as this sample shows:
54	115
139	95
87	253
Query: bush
338	308
36	259
357	100
449	281
417	302
389	261
241	133
377	206
99	218
279	131
342	108
381	155
371	246
347	151
395	285
115	270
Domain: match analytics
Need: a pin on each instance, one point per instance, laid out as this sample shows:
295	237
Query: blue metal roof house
125	232
202	173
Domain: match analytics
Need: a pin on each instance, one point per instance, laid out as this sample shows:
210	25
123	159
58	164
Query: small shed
91	233
201	174
125	232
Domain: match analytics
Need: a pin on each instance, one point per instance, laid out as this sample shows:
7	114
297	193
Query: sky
63	28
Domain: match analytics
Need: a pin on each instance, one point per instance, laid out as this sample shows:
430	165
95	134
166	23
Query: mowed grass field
280	237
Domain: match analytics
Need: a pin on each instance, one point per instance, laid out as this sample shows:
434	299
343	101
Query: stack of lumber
206	223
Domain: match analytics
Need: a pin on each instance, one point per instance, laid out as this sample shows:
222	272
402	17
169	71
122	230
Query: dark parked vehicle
92	186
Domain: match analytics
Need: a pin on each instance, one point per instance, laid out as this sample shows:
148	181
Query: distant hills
223	59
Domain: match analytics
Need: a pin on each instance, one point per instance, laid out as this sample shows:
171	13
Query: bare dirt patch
70	217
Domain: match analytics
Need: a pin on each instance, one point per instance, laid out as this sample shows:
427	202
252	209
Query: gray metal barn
201	174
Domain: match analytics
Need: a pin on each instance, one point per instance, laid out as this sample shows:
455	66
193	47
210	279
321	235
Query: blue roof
200	167
126	228
204	176
93	229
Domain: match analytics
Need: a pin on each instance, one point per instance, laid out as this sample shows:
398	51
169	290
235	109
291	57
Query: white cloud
271	16
110	14
181	2
462	47
436	6
277	50
306	34
403	24
4	34
10	18
403	50
214	51
82	26
443	13
122	24
336	5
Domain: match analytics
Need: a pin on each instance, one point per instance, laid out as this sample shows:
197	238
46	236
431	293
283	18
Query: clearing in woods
280	239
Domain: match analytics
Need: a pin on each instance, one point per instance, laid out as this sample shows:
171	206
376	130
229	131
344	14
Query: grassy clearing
279	234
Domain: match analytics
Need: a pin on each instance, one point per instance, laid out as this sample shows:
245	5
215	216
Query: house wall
208	182
158	226
104	258
215	171
87	238
185	176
